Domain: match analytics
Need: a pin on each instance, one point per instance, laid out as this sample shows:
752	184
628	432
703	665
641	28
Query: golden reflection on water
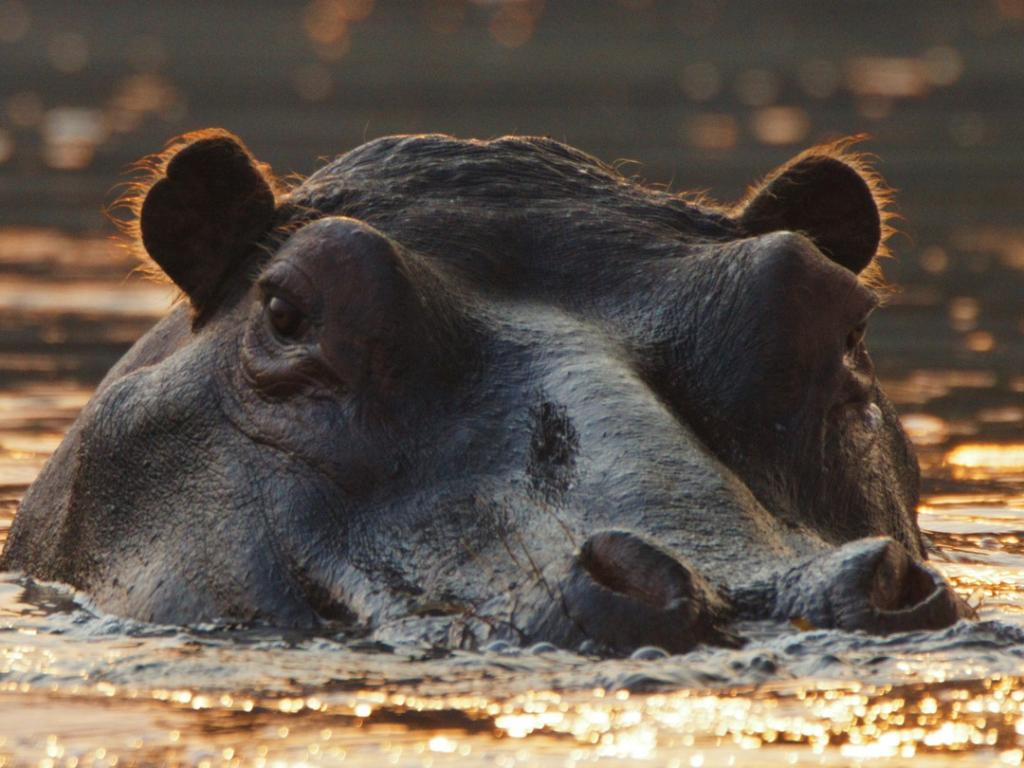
147	299
32	424
817	723
73	137
988	457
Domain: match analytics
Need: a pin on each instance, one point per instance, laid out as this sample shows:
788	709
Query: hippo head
459	391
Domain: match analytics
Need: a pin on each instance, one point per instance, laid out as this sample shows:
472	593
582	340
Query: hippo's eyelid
271	286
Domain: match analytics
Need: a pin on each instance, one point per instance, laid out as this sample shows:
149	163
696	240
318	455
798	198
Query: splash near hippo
465	391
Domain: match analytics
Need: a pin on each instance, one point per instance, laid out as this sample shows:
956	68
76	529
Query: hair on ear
193	210
125	212
774	203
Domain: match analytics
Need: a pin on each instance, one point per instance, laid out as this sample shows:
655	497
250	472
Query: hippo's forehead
510	210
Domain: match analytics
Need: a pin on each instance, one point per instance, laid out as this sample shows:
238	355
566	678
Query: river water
708	94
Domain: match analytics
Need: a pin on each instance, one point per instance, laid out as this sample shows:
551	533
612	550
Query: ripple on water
33	420
265	694
142	298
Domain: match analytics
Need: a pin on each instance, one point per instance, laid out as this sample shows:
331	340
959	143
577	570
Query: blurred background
694	94
703	93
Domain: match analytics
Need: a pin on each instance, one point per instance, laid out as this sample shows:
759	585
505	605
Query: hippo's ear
212	204
828	197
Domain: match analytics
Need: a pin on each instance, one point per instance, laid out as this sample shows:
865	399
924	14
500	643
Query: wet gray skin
462	391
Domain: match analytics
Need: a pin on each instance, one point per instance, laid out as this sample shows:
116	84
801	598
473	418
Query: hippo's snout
871	584
623	592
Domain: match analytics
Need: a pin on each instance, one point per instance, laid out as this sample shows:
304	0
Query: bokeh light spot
712	131
780	125
700	81
513	23
68	52
934	259
71	135
757	87
15	21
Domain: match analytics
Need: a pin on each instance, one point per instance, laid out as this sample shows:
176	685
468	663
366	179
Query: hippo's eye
855	337
285	318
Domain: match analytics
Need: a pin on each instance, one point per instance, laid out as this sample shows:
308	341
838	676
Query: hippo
463	392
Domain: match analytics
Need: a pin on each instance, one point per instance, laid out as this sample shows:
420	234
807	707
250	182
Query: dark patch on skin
554	444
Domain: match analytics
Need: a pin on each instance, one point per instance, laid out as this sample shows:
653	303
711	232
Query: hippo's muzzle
621	592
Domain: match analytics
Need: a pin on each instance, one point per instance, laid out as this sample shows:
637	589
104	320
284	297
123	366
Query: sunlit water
81	688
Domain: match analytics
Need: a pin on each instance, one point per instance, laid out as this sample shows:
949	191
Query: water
81	688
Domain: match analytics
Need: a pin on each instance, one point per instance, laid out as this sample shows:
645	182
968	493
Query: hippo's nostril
905	594
872	584
900	582
623	592
626	564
